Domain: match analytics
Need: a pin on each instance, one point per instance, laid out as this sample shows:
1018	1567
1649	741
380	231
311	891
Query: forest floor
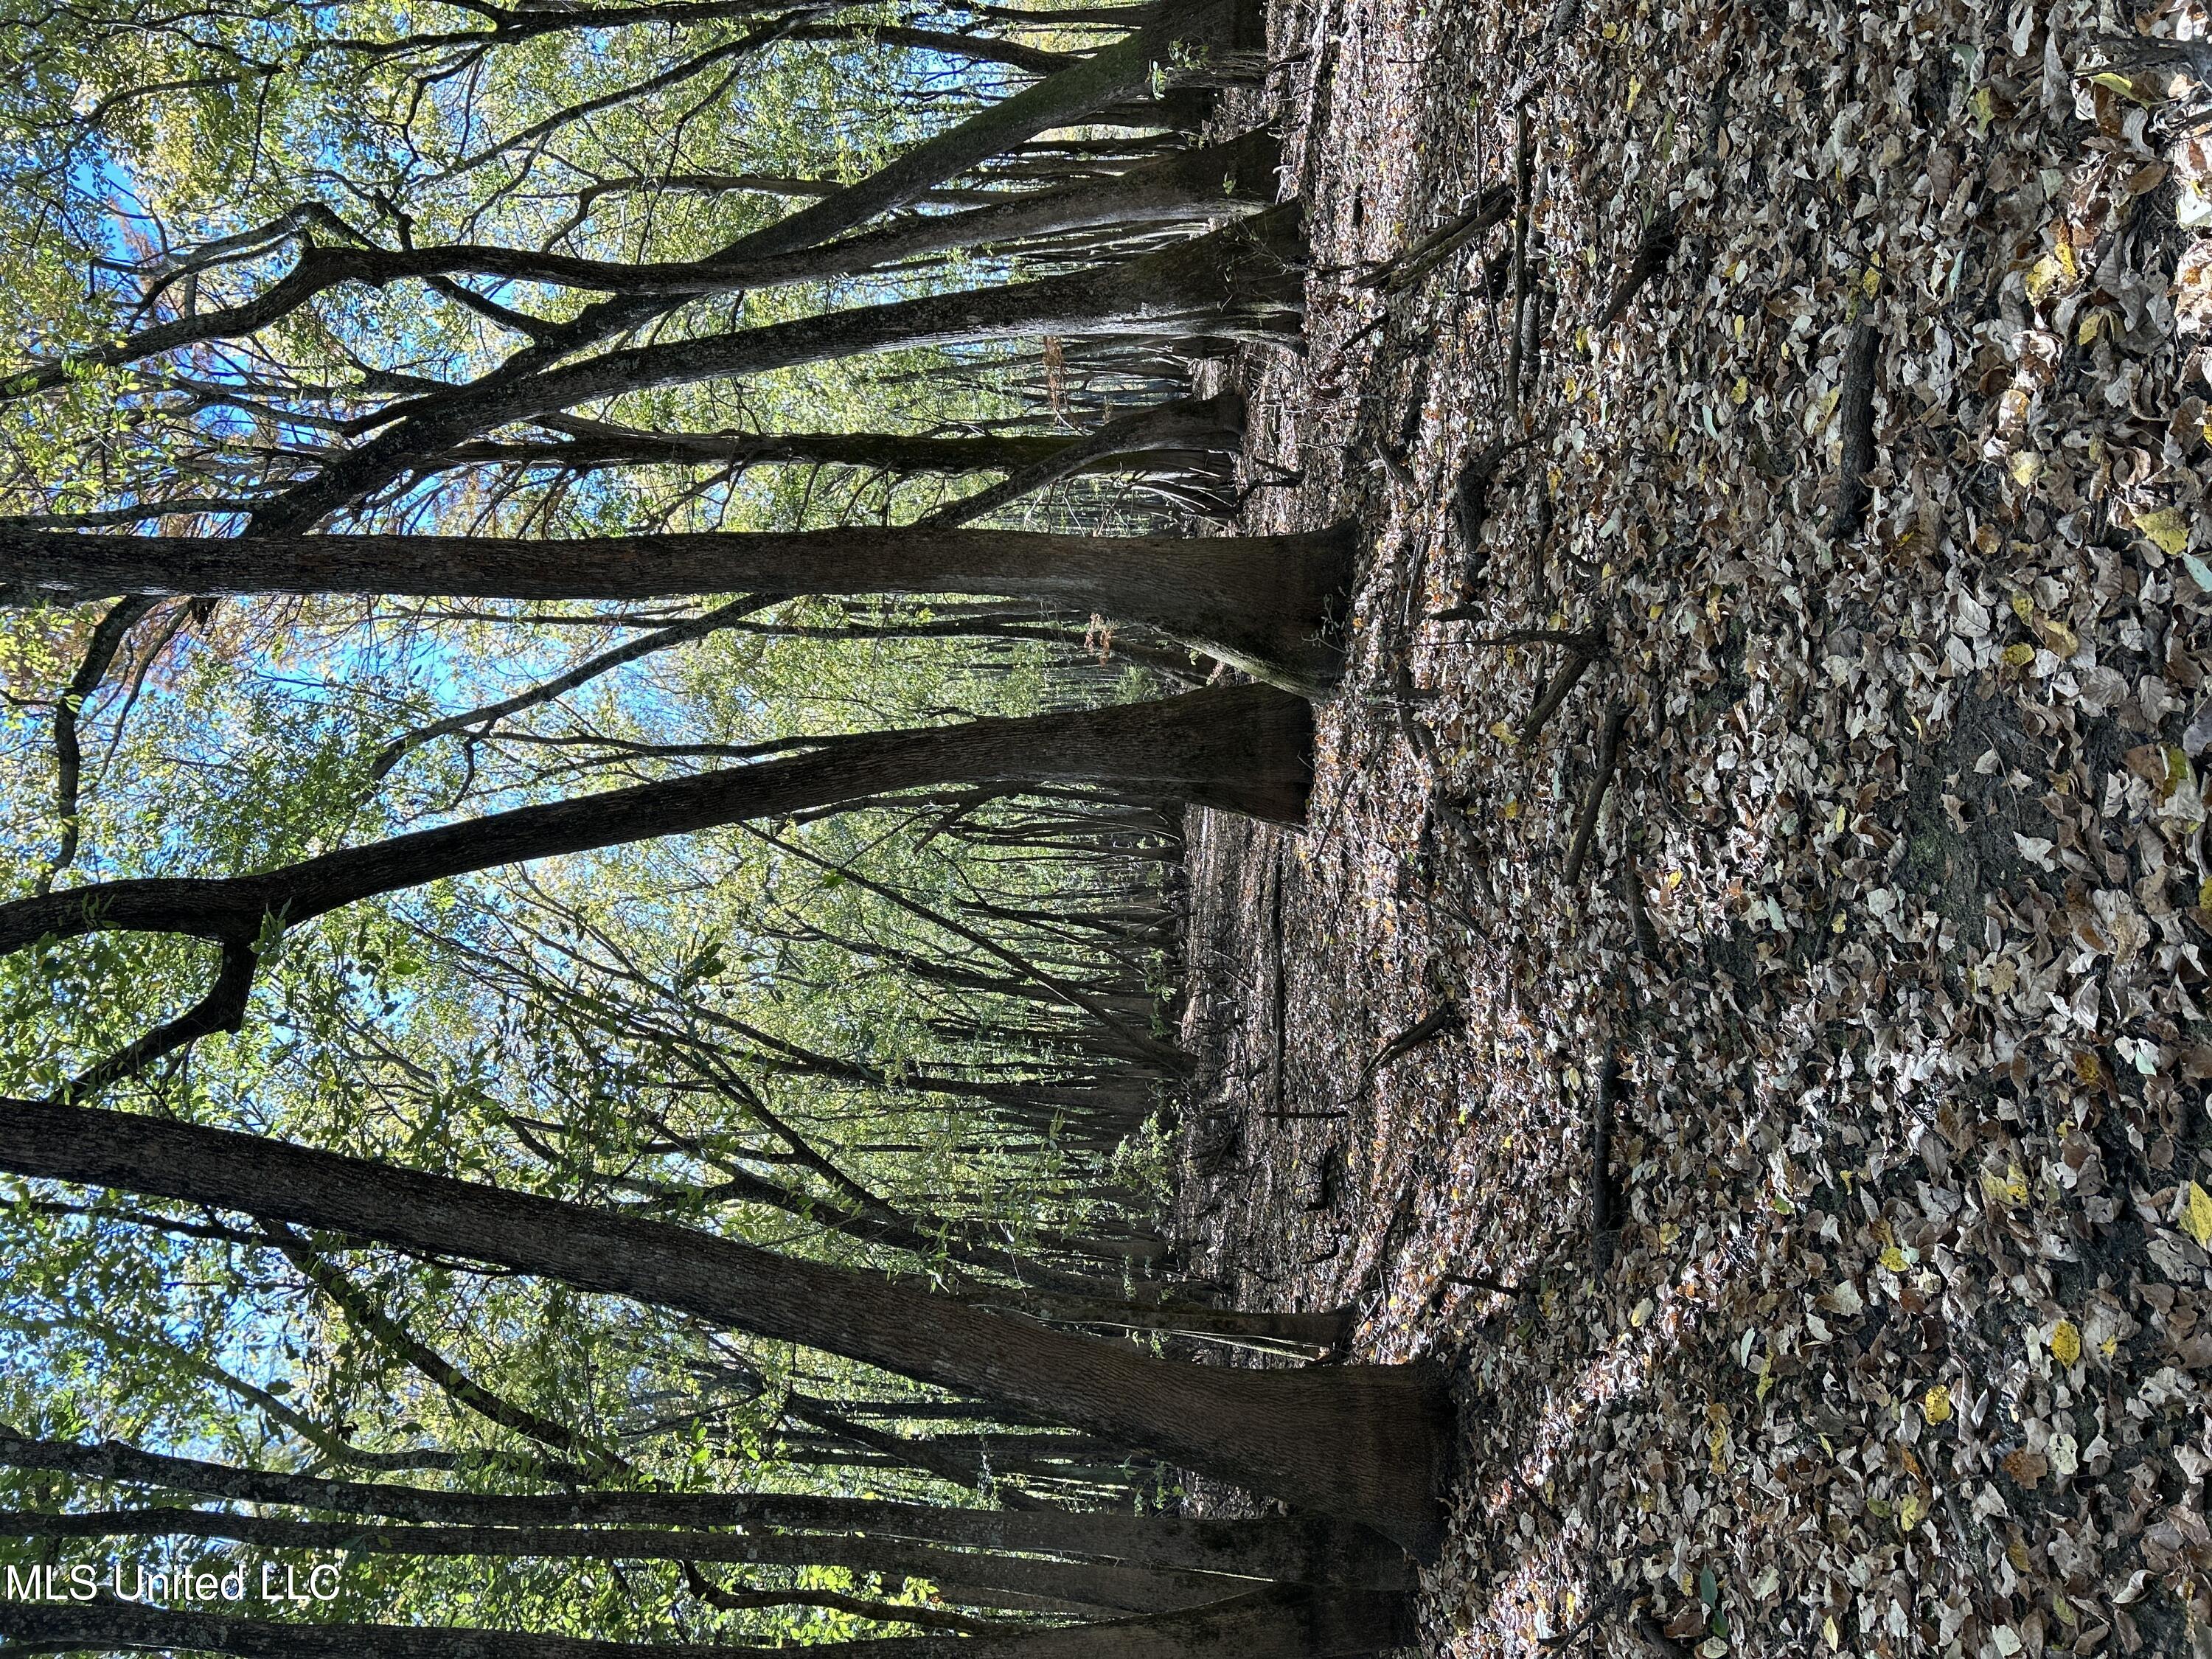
1878	1319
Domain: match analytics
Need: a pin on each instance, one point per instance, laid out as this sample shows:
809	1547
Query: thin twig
1524	175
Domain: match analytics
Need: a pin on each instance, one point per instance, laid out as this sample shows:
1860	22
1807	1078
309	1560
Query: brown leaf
2026	1466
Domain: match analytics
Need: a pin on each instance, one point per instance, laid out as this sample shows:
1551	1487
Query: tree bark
1121	70
1084	1586
1240	749
1241	280
1274	1624
1263	604
1368	1443
1305	1550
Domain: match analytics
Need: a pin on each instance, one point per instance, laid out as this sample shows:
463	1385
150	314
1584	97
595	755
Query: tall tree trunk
1084	1586
1262	602
1241	748
1272	1624
584	444
1305	1550
1119	71
1370	1444
1243	279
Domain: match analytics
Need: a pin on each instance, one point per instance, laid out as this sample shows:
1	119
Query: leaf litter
1873	1031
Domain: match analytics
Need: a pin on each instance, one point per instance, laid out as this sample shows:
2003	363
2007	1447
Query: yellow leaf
2047	277
1511	809
2065	1342
1936	1404
1634	86
1871	282
2204	896
1894	1259
2018	656
1910	1510
2167	528
2118	83
2026	466
2196	1216
2023	607
1502	731
1828	1625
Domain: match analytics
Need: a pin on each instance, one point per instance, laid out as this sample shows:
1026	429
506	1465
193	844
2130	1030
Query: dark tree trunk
1369	1444
588	445
1305	1551
1089	1587
1265	1625
1261	603
1244	279
1241	748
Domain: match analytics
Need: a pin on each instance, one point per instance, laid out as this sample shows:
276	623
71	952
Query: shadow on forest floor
1876	1318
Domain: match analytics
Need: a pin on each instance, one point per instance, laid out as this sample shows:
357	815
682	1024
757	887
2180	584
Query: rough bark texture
1263	604
1367	1444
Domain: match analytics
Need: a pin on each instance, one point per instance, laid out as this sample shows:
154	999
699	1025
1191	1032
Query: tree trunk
589	444
1223	181
1265	1625
1305	1551
1241	748
1263	603
1370	1444
1086	1587
1116	72
1241	280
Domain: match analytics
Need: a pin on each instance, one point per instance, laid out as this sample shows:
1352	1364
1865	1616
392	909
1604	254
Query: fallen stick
1579	657
1483	211
1605	1205
1524	185
1433	1024
1855	407
1608	753
1660	239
